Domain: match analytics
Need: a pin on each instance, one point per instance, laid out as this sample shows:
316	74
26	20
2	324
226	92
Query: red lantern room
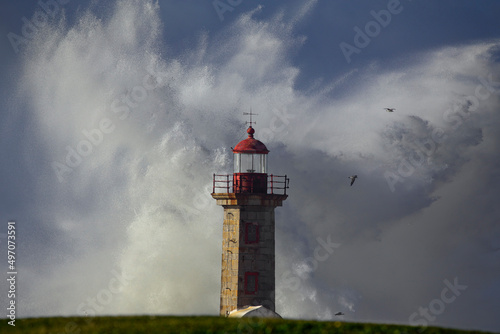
250	171
250	165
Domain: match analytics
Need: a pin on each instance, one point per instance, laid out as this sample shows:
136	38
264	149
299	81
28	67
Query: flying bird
339	313
353	178
390	109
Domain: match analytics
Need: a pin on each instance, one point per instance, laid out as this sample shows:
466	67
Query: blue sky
116	114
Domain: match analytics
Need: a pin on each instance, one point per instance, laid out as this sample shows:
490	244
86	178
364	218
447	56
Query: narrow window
251	283
251	233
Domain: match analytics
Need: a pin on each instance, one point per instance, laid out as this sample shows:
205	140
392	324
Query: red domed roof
250	145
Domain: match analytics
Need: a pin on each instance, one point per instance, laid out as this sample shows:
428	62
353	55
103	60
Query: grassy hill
164	324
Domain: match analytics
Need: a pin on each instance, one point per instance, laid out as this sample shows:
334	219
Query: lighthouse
249	197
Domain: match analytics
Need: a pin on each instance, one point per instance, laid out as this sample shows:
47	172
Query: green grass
164	324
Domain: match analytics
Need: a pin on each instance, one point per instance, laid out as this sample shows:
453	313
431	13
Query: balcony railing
225	183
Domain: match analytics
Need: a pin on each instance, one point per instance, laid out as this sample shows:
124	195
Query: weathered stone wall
240	257
257	257
230	251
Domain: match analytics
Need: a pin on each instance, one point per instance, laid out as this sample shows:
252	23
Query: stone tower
248	197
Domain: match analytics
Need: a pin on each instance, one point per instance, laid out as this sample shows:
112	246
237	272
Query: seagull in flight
339	313
353	178
390	109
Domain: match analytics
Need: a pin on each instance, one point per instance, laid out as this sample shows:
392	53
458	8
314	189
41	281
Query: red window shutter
251	233
251	283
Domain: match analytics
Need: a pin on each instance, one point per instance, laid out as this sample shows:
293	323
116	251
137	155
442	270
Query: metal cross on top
251	114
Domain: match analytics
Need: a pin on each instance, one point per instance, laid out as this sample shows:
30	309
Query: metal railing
276	184
227	183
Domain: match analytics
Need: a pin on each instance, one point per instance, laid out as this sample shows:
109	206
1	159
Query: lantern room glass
250	163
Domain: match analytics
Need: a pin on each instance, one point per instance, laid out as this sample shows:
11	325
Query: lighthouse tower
248	197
